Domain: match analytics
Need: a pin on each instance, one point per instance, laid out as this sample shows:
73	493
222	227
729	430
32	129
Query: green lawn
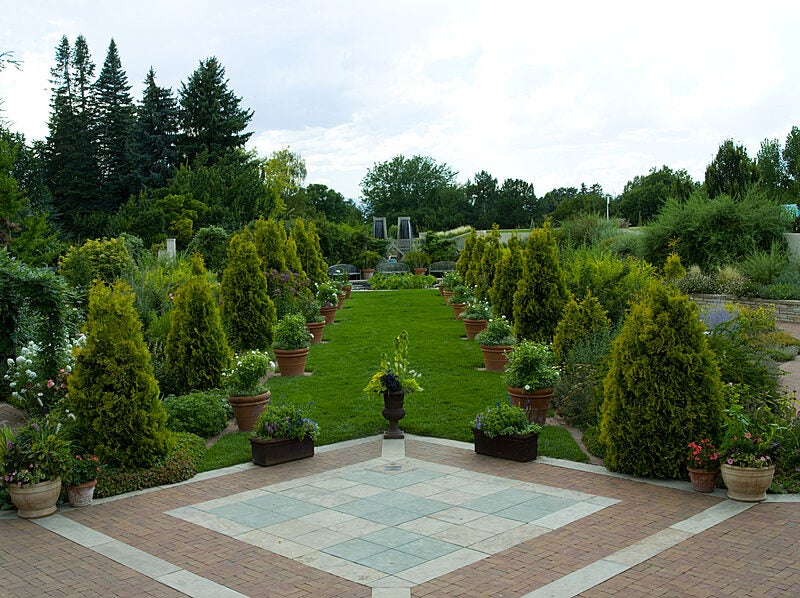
454	389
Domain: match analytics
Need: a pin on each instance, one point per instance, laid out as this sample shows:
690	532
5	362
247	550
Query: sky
554	93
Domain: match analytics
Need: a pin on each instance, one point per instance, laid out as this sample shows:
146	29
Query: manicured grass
454	389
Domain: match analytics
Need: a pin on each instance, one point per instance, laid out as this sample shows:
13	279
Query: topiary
197	351
112	390
580	320
247	308
200	413
662	389
508	271
542	291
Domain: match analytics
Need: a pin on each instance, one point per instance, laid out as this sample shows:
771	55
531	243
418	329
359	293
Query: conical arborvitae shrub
507	273
580	320
247	309
197	350
293	263
541	293
465	256
490	257
472	277
662	389
270	240
112	390
309	251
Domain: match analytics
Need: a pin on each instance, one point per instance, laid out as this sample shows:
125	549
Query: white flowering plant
247	375
32	391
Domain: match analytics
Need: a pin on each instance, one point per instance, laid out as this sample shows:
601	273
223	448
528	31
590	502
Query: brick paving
753	553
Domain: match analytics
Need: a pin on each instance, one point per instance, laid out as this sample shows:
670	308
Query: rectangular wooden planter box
517	447
280	450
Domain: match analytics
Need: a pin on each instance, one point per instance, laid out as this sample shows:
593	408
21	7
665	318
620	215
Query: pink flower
730	461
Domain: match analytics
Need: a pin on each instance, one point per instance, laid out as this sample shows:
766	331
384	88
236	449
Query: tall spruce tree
153	154
113	110
210	116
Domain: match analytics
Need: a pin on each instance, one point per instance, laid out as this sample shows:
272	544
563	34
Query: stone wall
785	311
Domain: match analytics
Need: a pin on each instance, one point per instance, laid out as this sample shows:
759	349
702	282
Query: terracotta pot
266	452
473	327
316	328
80	495
457	309
747	484
393	412
495	357
447	294
703	480
534	403
367	273
420	271
247	409
347	288
518	447
291	362
329	311
341	297
441	289
36	500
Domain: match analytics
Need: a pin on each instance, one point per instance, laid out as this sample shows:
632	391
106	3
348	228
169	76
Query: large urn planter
272	451
247	409
534	403
495	357
747	484
457	309
703	480
291	362
36	500
81	495
328	312
316	329
473	327
517	447
393	412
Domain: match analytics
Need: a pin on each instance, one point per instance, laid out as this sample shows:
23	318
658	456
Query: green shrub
247	309
587	230
291	333
196	352
106	259
762	267
178	465
200	413
386	282
308	250
489	259
696	282
504	419
212	243
593	443
112	390
580	320
474	271
662	389
542	291
465	256
507	273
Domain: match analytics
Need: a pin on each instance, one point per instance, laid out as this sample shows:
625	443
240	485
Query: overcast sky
555	93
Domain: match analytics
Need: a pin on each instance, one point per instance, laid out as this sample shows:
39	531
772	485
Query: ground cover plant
454	390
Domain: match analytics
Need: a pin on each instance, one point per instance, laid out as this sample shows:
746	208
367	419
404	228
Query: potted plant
747	453
530	376
342	282
475	317
245	383
368	261
315	321
283	433
328	300
504	431
32	461
291	345
496	342
459	297
703	465
450	280
418	260
393	381
337	281
81	479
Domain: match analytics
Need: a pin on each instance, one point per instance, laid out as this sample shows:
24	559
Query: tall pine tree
210	116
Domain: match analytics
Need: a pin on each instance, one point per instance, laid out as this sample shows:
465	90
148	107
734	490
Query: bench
353	273
438	269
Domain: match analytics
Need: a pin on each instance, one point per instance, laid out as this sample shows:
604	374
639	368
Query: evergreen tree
152	152
308	251
542	291
112	390
490	257
246	305
293	258
472	277
197	350
465	257
507	274
210	116
113	111
662	389
270	239
71	168
580	321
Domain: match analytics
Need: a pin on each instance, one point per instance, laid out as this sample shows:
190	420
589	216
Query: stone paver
577	531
